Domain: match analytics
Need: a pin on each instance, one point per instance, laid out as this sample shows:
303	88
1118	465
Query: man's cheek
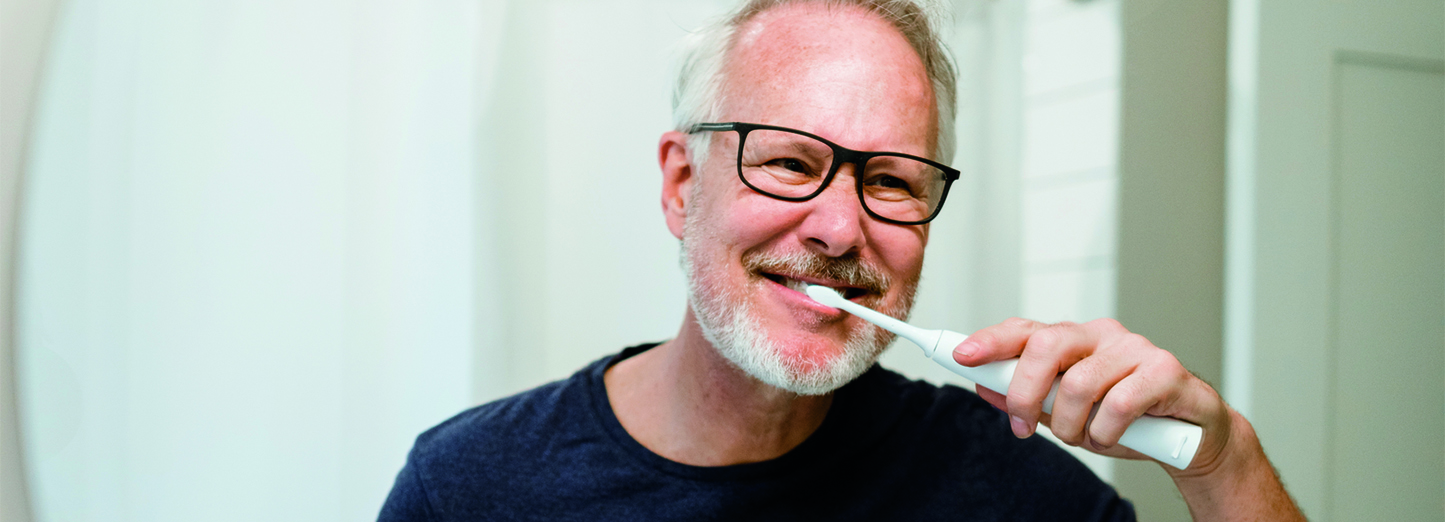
904	264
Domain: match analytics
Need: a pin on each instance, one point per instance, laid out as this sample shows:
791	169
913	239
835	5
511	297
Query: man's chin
811	354
801	364
808	377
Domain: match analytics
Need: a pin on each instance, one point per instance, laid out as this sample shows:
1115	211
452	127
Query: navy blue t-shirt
889	449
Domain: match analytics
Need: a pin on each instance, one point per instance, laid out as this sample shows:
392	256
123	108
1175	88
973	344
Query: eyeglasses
793	165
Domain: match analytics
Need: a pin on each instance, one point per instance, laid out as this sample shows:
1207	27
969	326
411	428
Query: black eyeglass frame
841	155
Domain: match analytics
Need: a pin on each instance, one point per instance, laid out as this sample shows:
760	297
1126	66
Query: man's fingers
1156	388
992	397
1048	352
1079	388
1124	403
1108	378
996	343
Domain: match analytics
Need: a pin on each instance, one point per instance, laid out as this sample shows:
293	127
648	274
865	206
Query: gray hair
698	95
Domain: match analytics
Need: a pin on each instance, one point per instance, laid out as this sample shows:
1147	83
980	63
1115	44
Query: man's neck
682	400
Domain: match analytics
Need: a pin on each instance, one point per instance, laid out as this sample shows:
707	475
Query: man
810	147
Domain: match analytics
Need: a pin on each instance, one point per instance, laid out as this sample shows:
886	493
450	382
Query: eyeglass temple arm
712	127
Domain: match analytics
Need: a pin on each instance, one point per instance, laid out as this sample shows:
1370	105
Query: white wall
574	261
246	255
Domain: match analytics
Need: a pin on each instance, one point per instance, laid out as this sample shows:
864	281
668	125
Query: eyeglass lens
792	165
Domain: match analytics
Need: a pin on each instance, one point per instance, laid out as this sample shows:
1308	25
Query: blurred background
250	249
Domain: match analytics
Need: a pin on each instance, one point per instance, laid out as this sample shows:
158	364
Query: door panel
1388	379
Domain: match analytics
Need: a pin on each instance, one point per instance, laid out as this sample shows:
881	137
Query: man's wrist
1238	483
1242	451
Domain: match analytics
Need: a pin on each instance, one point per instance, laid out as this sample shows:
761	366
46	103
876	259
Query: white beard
728	322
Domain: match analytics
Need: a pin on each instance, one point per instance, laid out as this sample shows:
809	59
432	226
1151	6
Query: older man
811	144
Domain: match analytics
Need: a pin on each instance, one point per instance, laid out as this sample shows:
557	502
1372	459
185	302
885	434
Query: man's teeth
803	287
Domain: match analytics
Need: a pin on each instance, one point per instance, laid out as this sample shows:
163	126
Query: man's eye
790	164
890	182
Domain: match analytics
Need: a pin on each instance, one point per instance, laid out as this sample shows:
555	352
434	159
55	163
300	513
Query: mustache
849	269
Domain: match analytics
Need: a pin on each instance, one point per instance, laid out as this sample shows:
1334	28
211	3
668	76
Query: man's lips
798	283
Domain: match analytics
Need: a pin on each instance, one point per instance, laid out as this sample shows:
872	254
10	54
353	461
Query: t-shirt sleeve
408	501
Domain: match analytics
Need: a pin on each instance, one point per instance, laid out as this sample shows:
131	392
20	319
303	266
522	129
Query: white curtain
264	244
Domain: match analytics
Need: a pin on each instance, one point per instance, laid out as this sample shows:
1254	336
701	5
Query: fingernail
1021	429
966	348
1095	445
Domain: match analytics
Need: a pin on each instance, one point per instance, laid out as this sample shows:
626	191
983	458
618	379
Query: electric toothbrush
1171	441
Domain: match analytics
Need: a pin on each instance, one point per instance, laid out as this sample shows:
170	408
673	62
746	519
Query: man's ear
678	176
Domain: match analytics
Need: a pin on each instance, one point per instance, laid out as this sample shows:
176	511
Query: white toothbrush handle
1171	441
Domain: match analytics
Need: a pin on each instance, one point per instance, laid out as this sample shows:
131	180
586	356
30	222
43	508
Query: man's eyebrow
804	146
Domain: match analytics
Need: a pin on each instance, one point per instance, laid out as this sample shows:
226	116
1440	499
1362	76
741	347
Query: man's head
698	95
849	73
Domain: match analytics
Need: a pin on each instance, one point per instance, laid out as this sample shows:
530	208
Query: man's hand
1103	363
1127	376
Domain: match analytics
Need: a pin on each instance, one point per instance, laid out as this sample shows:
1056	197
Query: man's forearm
1242	486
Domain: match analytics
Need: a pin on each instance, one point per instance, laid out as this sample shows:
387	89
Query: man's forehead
804	19
830	70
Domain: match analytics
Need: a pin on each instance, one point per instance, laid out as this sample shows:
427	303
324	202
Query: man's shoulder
491	460
508	426
518	413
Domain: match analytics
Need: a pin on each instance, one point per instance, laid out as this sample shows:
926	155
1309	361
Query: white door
1336	262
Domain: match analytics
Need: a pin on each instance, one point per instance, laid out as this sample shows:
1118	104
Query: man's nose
834	225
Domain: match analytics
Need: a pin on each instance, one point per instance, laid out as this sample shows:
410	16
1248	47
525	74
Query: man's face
851	78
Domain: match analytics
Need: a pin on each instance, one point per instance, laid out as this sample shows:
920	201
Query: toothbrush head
826	296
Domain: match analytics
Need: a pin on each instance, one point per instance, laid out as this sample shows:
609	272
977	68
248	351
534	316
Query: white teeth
803	287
